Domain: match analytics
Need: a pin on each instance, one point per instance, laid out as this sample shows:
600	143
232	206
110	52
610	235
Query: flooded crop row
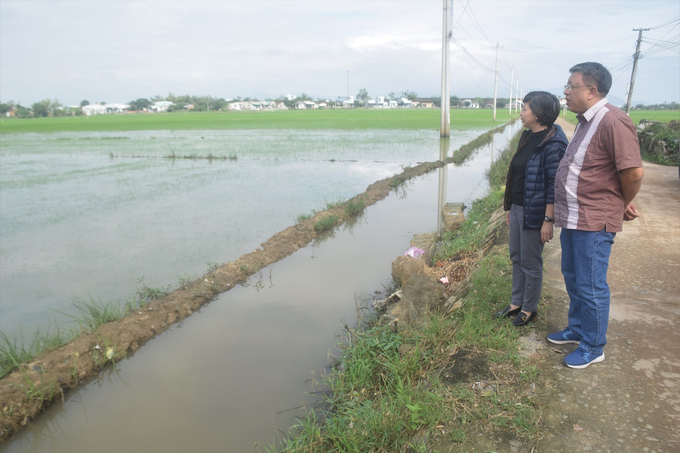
79	219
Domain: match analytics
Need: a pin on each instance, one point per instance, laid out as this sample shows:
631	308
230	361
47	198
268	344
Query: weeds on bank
388	393
354	207
473	232
326	223
12	354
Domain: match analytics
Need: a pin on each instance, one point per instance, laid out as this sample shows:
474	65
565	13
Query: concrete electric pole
444	129
512	73
632	75
495	85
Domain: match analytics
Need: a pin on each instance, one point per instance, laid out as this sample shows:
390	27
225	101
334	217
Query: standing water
238	371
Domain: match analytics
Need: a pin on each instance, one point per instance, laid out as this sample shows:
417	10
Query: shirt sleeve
626	148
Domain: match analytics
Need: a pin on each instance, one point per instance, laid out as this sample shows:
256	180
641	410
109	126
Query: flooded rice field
237	372
79	218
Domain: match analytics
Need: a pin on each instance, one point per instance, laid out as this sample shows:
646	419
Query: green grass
355	119
387	394
354	207
326	223
665	116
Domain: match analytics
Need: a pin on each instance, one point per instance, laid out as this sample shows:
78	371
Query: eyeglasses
571	87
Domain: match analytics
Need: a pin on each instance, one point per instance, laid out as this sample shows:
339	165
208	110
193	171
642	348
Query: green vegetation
362	119
326	223
354	206
665	116
659	143
398	390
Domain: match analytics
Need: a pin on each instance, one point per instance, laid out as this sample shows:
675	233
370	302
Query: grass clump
354	207
326	223
473	232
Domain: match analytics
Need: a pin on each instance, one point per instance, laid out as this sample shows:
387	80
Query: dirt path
631	401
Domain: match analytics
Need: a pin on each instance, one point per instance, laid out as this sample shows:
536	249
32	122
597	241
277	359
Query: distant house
161	106
279	106
116	108
345	101
393	104
405	103
303	105
94	109
469	104
188	107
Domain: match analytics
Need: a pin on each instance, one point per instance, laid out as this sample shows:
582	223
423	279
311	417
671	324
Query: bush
659	143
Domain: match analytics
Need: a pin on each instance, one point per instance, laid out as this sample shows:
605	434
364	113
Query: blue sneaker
582	359
564	337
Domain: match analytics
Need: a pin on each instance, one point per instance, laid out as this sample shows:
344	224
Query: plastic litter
414	252
444	280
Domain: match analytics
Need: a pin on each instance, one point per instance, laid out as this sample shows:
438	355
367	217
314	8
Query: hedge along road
320	292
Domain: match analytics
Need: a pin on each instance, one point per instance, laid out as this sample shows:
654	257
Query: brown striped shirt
588	194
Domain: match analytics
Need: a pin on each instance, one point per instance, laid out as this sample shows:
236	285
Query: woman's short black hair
545	106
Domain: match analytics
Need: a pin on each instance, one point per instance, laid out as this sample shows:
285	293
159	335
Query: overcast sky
117	51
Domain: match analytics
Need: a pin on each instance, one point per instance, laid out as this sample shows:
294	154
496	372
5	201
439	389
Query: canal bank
467	186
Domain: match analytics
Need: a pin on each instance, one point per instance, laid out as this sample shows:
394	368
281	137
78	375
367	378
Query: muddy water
235	373
80	217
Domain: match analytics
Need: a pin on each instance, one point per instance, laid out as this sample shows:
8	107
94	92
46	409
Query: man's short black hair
594	74
544	105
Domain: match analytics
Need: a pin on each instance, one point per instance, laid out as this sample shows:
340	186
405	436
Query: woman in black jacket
529	198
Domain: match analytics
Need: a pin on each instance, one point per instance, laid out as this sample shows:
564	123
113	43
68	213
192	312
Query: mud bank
26	391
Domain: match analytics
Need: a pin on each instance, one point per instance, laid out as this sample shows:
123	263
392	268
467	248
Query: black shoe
508	312
523	319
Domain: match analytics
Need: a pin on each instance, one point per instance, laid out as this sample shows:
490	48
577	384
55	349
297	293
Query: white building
94	109
161	106
291	97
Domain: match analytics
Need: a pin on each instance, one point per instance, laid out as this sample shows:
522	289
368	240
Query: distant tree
84	102
139	104
303	97
410	95
157	98
640	106
392	96
363	97
5	107
41	109
23	112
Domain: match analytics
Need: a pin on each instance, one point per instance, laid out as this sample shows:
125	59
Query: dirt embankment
25	392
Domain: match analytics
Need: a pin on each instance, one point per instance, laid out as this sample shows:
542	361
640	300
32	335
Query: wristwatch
548	219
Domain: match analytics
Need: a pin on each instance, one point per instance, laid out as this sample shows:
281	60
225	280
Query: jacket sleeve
553	155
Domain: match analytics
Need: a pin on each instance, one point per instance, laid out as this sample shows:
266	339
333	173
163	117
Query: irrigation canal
238	371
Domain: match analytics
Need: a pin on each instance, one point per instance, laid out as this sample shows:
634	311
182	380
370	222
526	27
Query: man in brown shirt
597	179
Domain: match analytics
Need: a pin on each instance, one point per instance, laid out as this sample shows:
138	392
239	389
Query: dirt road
631	401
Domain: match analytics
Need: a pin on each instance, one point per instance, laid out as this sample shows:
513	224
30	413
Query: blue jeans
585	259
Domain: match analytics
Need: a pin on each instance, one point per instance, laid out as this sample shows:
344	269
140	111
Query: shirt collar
590	113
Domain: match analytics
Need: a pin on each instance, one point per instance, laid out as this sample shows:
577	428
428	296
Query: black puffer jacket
539	179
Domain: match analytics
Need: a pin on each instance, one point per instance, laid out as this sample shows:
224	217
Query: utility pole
512	73
444	129
347	86
632	76
516	95
495	85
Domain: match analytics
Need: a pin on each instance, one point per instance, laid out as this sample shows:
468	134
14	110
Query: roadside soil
631	401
